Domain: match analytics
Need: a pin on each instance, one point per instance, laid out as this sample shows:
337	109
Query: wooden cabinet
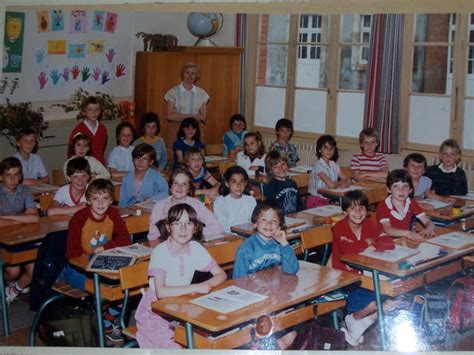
157	72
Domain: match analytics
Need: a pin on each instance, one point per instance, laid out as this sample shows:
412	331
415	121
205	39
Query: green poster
13	43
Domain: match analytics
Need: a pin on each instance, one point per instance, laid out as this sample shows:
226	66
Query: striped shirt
362	162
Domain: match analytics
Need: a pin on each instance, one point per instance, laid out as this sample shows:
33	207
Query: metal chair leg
34	325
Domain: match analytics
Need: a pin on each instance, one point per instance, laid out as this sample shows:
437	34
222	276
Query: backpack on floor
461	299
429	314
69	322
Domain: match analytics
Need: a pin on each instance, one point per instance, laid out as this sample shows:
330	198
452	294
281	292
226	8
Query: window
309	34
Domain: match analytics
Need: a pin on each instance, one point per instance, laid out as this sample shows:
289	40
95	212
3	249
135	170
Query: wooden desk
403	280
375	191
42	189
284	292
446	215
222	250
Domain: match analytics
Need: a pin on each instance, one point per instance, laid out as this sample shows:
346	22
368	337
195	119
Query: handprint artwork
75	72
105	77
96	74
40	55
65	74
120	70
85	74
110	55
43	79
55	76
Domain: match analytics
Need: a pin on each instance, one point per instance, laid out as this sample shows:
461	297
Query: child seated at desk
326	173
93	229
369	164
280	187
120	161
172	267
189	135
71	198
448	178
150	126
204	183
268	247
180	187
398	211
234	138
16	207
352	235
34	171
415	164
284	131
81	146
143	183
252	158
235	204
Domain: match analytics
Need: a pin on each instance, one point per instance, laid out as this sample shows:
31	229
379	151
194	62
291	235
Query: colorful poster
110	22
95	47
78	22
57	47
57	20
98	21
76	51
13	42
42	21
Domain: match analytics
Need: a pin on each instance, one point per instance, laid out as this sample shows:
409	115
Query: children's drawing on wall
96	74
42	21
120	70
40	55
76	51
13	41
98	21
110	22
56	46
57	20
3	85
65	73
78	22
110	55
95	47
85	74
55	76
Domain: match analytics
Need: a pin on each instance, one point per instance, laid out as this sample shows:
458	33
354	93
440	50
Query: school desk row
224	252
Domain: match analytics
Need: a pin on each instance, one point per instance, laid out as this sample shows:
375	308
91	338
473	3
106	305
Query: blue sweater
153	187
255	255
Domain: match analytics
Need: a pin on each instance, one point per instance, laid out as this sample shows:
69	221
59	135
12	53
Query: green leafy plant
109	108
16	117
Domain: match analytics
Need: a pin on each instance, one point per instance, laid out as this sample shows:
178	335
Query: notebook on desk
453	240
395	255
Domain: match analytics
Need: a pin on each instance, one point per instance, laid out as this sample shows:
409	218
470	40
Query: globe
204	25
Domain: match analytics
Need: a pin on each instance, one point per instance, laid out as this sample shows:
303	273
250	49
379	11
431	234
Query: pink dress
154	332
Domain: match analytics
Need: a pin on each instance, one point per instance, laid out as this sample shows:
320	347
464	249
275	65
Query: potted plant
109	108
16	117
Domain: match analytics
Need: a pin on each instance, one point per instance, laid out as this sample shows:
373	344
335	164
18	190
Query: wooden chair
223	166
376	195
214	149
302	180
58	177
346	170
45	200
224	253
316	237
132	279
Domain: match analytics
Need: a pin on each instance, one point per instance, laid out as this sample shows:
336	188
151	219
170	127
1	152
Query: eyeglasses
188	224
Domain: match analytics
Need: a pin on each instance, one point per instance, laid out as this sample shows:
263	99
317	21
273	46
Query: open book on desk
146	205
325	211
346	189
228	299
302	169
435	204
469	196
395	255
453	240
137	249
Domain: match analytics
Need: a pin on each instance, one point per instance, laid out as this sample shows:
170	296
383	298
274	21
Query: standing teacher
187	99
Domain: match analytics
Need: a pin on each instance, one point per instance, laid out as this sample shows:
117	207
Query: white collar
183	89
92	129
398	215
453	170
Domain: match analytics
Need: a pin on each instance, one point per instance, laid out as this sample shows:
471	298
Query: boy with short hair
34	171
71	198
352	235
93	229
369	164
398	211
284	131
92	127
448	178
16	207
280	188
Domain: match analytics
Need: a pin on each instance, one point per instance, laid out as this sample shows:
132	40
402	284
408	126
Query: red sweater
87	233
345	241
99	140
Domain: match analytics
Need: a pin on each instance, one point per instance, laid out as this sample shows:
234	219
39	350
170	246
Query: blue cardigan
255	255
153	187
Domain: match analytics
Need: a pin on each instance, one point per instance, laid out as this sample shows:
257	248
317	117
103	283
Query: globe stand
204	42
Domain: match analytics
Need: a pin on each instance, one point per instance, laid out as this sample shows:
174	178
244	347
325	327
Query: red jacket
99	140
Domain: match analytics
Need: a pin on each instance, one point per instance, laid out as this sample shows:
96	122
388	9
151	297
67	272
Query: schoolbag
313	336
461	298
48	265
429	314
69	322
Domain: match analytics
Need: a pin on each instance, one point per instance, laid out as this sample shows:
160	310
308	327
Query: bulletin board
64	50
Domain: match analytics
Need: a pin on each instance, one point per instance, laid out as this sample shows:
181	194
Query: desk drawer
19	257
